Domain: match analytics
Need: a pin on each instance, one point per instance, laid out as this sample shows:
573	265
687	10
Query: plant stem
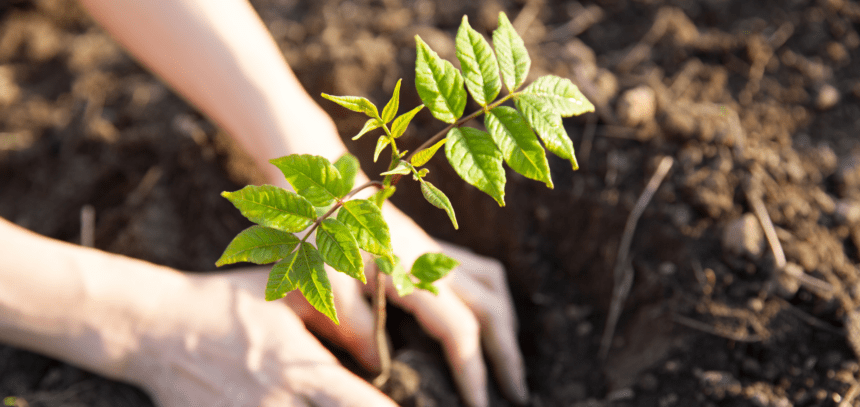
438	136
381	340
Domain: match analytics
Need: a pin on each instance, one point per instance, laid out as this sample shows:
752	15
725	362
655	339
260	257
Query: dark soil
752	99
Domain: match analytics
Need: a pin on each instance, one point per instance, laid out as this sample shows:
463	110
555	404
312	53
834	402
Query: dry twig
623	273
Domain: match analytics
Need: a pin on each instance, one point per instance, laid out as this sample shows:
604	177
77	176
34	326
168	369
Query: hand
214	342
473	308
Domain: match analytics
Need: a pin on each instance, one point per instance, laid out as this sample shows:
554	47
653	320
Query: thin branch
766	225
622	274
701	326
381	339
366	185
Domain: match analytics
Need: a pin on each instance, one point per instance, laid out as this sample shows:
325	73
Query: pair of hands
224	345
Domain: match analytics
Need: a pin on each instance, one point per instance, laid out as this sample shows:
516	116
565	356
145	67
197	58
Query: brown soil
752	99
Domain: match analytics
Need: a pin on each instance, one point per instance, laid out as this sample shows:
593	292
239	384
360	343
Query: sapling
323	205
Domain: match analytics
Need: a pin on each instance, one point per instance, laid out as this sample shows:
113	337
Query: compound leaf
438	199
390	109
514	60
364	220
348	166
309	273
356	104
402	122
518	143
369	125
433	266
273	207
439	84
548	126
474	156
381	143
422	157
479	65
427	286
560	95
312	176
338	248
258	245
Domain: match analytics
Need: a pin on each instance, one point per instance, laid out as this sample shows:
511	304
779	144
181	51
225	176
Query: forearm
75	303
221	58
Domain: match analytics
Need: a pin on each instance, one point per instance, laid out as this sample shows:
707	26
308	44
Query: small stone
847	211
827	97
744	236
637	106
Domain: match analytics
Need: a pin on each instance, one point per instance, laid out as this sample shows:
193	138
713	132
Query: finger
446	318
498	334
336	386
355	332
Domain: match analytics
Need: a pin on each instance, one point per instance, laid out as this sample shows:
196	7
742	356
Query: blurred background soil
756	102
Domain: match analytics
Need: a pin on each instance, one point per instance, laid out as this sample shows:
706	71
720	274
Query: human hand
473	309
215	342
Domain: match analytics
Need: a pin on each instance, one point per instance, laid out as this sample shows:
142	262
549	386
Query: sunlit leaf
305	270
402	282
427	286
514	60
348	167
559	95
369	125
402	168
422	157
438	199
280	282
364	220
356	104
433	266
381	143
439	84
518	143
313	177
475	157
338	248
402	122
258	245
390	109
274	207
548	126
479	65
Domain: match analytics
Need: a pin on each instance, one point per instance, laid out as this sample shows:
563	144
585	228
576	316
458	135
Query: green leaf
339	248
427	286
560	95
433	266
370	124
402	282
258	245
422	157
548	126
476	159
514	60
381	143
384	264
439	84
356	104
402	122
273	207
479	65
518	143
280	282
310	276
312	176
390	109
438	199
348	166
364	220
402	168
379	197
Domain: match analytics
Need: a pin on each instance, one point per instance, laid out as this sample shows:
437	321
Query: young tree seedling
323	198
